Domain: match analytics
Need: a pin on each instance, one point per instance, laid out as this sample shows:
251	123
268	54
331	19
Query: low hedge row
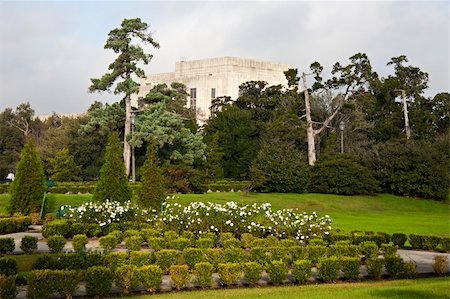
228	185
14	224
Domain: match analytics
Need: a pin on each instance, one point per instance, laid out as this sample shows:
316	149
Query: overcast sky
50	50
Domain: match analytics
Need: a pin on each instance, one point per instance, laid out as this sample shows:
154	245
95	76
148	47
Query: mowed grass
430	288
381	213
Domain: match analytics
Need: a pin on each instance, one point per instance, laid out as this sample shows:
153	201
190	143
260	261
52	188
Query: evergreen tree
214	157
152	191
63	167
113	182
28	187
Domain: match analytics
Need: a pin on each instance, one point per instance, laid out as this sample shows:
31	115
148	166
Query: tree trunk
405	113
126	145
309	129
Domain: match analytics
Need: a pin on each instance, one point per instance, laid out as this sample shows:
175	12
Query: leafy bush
8	288
126	277
229	273
374	267
7	245
57	227
317	242
28	244
133	243
170	235
116	259
416	241
150	277
205	243
301	270
395	266
369	249
108	242
227	185
192	256
277	271
315	253
247	239
8	266
259	255
166	258
147	233
252	272
389	249
342	174
445	243
278	253
140	258
351	267
79	242
156	242
440	265
344	250
233	255
430	242
289	242
66	281
328	269
14	224
179	243
298	252
231	243
213	256
98	281
180	276
399	239
56	243
40	284
203	274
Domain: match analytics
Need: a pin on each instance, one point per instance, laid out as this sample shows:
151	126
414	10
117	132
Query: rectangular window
213	93
193	102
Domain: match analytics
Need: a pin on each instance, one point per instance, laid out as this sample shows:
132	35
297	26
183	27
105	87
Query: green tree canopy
152	191
63	167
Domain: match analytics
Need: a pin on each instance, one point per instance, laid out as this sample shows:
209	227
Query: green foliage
126	277
389	249
417	169
328	269
28	244
280	167
99	281
351	267
301	270
133	243
116	259
342	175
56	243
233	255
399	239
140	258
66	281
204	243
214	158
79	242
229	273
179	243
213	256
8	266
277	271
166	258
7	245
395	266
430	242
184	179
8	288
193	256
14	224
252	272
203	274
152	191
156	243
259	255
374	267
315	252
416	241
440	265
369	249
63	167
180	276
231	243
108	242
57	227
40	284
113	183
150	277
410	270
147	233
28	187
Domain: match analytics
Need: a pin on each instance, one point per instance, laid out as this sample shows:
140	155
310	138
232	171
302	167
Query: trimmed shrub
369	249
277	271
410	270
213	256
399	239
169	236
301	270
259	255
141	258
56	243
316	252
247	239
8	288
66	282
156	243
225	236
150	277
430	242
204	243
351	267
130	233
166	258
395	266
298	252
203	274
180	276
116	259
317	242
117	233
342	174
56	227
126	277
99	281
188	235
389	249
108	242
258	242
147	233
252	272
8	266
344	250
328	269
445	243
278	253
180	243
374	267
14	224
440	265
79	242
416	241
233	255
289	242
133	243
192	256
40	284
7	245
231	243
229	273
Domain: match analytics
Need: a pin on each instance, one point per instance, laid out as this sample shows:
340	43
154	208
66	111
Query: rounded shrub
166	258
56	243
351	267
180	276
440	265
133	243
7	245
8	287
301	270
328	269
203	274
229	273
204	243
116	259
126	277
66	281
277	271
79	242
193	256
342	174
28	244
399	239
150	277
108	242
99	281
374	267
252	272
8	266
140	258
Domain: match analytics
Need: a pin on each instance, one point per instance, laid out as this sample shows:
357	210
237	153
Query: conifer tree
152	191
28	186
113	182
63	167
214	157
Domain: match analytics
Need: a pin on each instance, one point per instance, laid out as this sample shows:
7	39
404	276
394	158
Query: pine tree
113	182
214	157
152	191
63	167
28	187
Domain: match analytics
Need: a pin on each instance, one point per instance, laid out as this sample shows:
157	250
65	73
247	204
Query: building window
193	102
213	93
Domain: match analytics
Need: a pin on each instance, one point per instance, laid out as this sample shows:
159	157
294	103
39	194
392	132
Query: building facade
208	79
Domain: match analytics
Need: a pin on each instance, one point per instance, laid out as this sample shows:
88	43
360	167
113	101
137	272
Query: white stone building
207	79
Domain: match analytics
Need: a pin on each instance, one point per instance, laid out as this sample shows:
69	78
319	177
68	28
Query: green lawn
430	288
384	212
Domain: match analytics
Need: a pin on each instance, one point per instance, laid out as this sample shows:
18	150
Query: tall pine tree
28	187
152	191
113	182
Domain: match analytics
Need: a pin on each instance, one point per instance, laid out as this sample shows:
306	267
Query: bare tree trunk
405	113
309	129
126	145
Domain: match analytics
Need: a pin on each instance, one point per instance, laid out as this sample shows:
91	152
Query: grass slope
409	289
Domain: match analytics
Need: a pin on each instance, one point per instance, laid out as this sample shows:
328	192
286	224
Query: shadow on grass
407	294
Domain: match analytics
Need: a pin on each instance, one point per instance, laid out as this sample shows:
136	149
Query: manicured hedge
14	224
